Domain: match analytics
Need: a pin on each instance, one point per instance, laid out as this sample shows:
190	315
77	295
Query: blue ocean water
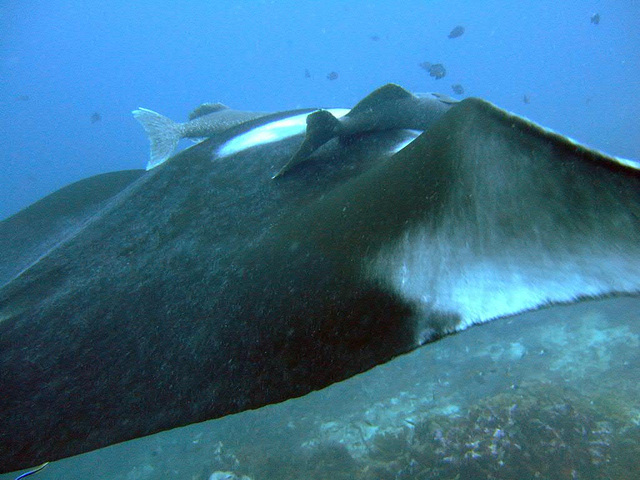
61	62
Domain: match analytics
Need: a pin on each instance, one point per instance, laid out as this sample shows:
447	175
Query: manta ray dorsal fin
206	108
387	93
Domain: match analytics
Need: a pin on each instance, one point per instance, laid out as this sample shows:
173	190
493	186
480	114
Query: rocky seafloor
552	394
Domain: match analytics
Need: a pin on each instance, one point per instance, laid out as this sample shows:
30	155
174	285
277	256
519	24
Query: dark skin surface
203	288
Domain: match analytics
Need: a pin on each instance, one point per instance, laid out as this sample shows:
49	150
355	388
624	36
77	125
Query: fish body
435	70
205	121
390	107
457	31
457	89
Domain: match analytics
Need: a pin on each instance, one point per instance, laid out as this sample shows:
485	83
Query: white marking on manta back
272	132
411	136
445	275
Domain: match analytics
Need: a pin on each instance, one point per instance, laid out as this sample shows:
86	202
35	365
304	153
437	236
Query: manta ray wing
485	215
31	233
211	289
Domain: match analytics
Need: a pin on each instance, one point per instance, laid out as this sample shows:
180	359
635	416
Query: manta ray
138	301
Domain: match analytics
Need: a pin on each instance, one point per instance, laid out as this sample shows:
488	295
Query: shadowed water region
551	394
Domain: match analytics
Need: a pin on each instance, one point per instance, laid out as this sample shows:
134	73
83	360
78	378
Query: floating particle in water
435	70
456	32
332	76
457	89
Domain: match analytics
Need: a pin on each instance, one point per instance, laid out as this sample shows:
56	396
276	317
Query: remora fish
389	107
202	287
207	120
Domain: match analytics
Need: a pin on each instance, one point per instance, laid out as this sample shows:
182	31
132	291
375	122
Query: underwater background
551	394
73	70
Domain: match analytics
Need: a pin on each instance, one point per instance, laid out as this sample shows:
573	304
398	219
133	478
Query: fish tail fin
164	135
322	126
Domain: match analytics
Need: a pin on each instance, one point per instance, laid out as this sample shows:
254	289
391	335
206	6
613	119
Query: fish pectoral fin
322	126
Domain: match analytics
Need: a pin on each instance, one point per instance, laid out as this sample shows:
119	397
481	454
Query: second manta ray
138	301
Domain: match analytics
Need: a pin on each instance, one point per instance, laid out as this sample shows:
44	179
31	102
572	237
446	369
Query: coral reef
541	432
